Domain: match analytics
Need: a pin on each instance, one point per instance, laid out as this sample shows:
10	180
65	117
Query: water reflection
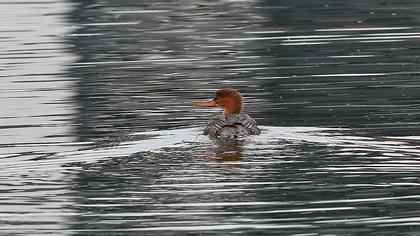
36	97
98	129
157	64
227	150
36	116
307	67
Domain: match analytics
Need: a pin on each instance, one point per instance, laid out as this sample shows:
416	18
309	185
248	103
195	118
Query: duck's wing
249	124
215	125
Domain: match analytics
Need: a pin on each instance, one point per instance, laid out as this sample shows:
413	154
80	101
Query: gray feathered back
232	126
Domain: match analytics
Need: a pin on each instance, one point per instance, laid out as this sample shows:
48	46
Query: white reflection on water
35	95
156	140
35	100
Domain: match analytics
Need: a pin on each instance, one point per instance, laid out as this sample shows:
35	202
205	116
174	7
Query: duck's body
233	123
232	126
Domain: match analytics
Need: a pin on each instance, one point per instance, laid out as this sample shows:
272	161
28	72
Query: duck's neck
233	107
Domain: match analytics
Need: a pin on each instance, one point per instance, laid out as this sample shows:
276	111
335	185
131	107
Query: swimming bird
233	123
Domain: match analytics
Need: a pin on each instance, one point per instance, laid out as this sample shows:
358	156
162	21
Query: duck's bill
206	104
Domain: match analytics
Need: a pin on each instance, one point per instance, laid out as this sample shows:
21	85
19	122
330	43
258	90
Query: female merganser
233	123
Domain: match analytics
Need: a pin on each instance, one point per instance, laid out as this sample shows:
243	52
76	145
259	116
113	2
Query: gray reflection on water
159	63
322	63
349	63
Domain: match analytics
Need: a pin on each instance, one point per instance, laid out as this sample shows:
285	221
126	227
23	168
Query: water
98	135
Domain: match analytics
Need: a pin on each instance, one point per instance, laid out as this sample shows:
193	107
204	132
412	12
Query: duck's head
230	99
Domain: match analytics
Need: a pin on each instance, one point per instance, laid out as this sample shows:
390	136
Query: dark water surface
98	135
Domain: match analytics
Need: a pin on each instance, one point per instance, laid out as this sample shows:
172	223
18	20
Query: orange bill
206	104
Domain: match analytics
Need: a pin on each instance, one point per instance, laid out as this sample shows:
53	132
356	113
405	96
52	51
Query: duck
233	123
